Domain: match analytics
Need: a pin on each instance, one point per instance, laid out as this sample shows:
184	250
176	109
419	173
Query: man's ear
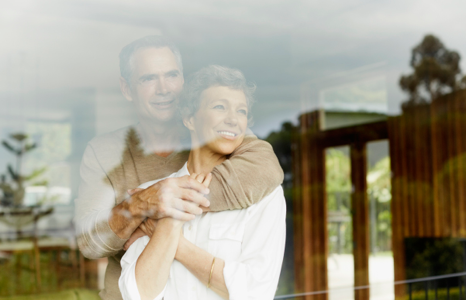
188	122
125	89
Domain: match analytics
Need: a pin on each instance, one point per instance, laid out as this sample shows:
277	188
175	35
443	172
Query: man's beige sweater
115	162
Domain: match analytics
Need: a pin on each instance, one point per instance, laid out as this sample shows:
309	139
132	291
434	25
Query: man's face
155	84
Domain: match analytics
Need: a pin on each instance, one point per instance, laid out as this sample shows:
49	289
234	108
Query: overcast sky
295	51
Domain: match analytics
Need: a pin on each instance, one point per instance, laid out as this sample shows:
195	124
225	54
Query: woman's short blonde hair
213	75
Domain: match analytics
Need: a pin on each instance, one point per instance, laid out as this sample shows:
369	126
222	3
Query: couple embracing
208	223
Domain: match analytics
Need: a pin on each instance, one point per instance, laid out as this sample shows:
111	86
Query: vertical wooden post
297	207
360	210
398	210
37	256
82	271
460	124
310	209
318	210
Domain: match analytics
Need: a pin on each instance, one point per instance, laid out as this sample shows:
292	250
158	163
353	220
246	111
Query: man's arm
251	173
93	207
177	198
102	228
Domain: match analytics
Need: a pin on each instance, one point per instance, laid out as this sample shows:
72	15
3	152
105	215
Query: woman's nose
231	119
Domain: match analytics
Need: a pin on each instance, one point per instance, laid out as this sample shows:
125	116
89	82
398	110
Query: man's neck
160	138
202	160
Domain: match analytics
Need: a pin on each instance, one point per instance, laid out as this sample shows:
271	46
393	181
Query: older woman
231	254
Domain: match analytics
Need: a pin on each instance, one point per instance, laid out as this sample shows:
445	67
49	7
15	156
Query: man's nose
161	87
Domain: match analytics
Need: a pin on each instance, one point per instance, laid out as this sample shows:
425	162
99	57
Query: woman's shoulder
277	195
275	201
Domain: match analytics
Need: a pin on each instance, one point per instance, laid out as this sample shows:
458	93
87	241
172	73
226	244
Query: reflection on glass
339	227
394	65
379	196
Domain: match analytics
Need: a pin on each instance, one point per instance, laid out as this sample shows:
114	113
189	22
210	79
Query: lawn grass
18	276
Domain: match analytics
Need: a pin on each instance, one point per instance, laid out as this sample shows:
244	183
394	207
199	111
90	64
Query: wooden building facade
428	164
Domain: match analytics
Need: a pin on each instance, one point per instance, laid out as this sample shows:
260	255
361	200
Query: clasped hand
179	199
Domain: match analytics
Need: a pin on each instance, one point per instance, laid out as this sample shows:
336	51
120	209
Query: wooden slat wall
310	208
428	161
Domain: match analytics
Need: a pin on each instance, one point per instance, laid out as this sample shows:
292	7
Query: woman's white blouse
251	241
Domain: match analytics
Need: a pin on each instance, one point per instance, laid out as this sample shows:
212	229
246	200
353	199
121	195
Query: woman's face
222	119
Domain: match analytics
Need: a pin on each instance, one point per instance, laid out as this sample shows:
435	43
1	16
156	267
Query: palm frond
35	173
12	172
30	147
19	136
8	146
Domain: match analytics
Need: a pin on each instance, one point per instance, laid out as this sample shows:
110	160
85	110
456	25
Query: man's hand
134	237
177	198
147	227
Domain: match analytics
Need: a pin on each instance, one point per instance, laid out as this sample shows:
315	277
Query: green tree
436	71
379	188
338	188
281	143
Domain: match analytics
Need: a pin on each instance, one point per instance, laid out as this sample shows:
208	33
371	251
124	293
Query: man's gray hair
150	41
213	75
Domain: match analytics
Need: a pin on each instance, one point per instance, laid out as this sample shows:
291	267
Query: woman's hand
205	180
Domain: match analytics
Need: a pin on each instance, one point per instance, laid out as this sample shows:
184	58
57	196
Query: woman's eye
219	106
243	111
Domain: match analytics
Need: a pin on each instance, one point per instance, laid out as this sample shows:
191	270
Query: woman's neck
202	160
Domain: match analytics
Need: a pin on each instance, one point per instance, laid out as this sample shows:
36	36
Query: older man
152	78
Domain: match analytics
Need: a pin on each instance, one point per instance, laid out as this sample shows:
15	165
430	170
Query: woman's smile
229	135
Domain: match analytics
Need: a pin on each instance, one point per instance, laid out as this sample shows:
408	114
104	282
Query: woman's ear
188	123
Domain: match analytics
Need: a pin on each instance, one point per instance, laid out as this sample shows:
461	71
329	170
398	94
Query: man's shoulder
114	138
109	148
182	172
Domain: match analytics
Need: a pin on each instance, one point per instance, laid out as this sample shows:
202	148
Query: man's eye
219	106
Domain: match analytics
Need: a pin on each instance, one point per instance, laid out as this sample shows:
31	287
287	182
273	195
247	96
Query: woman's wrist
170	225
182	243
